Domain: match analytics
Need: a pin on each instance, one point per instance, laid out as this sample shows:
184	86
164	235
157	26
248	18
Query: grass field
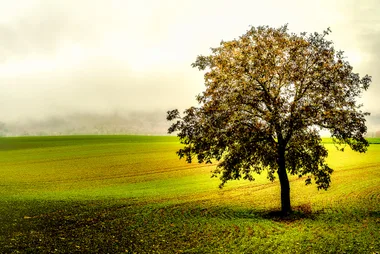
118	194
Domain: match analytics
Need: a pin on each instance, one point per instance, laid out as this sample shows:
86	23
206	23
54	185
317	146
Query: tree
268	93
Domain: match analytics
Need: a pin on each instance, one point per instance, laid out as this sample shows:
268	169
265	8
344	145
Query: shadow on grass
300	212
230	212
114	226
375	214
15	210
295	215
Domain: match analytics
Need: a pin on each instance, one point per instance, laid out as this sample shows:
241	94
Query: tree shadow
299	212
230	213
295	215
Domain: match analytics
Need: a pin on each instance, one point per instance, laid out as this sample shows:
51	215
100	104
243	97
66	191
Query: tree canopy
268	94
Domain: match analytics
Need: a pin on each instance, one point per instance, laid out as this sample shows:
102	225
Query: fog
148	123
117	66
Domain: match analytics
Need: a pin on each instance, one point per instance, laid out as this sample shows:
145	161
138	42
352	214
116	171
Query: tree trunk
284	182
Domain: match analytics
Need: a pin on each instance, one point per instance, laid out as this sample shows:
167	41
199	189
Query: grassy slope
117	193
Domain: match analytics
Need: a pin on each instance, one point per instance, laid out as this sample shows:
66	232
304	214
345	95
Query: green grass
370	140
113	194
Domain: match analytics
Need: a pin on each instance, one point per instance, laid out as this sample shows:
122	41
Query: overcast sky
60	58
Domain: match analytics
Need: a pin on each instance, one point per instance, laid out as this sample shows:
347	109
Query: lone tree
268	93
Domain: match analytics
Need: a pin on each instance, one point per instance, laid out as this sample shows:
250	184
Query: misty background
102	67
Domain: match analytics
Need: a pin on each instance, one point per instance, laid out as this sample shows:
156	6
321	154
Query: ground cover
131	194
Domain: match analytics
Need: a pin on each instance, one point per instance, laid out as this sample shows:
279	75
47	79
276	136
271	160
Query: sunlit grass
117	193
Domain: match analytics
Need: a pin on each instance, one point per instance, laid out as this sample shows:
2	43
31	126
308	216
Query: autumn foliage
268	94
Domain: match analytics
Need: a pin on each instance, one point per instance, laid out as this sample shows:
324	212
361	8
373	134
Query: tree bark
284	182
